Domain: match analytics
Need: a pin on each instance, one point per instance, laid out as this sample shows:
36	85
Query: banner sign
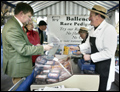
64	29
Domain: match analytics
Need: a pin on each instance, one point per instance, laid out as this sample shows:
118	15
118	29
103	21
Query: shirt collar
101	25
19	21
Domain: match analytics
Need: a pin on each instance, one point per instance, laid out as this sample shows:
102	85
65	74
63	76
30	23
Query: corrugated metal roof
41	5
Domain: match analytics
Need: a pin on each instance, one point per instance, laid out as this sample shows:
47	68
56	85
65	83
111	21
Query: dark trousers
103	83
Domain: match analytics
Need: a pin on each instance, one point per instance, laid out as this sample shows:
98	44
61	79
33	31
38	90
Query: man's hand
72	48
86	57
78	52
47	47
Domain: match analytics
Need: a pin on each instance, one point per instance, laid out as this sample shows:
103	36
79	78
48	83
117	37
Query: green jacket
17	50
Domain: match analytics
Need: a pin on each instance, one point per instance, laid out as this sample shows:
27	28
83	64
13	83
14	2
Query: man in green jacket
17	50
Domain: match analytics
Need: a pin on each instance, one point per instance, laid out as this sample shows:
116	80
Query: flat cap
42	22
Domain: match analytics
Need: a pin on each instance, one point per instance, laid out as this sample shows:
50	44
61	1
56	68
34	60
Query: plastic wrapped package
45	71
46	67
62	61
41	79
56	67
42	61
53	75
38	58
56	63
63	76
50	63
68	68
62	72
66	64
37	71
49	81
39	65
55	70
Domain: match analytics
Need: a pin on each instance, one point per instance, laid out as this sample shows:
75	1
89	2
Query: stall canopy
7	7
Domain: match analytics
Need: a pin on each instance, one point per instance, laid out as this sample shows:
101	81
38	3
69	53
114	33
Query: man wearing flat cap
42	27
102	43
83	32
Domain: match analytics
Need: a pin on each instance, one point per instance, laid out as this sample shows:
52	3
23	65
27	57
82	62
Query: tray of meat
53	75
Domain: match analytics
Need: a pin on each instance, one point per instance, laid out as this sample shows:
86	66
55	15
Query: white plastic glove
47	47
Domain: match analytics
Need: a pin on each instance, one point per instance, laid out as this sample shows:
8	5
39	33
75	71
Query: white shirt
19	21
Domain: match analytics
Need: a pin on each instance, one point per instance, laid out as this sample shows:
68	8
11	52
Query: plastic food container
53	75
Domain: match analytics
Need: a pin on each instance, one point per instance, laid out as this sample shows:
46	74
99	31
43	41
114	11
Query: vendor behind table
102	43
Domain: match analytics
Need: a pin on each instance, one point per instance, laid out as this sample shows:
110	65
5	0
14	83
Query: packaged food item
46	71
41	76
50	63
46	67
62	72
66	64
56	66
41	79
41	61
56	63
62	61
51	81
38	58
55	70
39	65
37	71
53	75
68	68
63	76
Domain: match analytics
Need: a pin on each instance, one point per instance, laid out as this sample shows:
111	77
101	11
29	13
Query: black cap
42	22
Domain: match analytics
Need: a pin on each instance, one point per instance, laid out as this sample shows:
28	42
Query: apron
102	67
